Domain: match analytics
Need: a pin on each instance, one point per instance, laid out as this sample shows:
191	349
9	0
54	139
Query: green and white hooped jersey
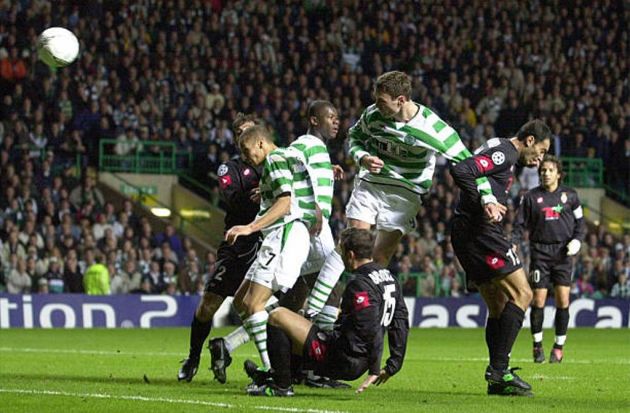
408	149
313	152
284	172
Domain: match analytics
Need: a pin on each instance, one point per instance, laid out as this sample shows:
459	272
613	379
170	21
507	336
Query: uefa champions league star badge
223	169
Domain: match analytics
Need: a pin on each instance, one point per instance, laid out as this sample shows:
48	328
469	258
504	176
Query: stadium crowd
180	71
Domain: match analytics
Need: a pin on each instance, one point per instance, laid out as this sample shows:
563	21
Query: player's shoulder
567	189
231	165
534	192
371	114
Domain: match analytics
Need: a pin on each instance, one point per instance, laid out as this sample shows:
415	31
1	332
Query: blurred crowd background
180	71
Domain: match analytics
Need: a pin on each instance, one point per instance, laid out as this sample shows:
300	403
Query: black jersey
237	179
372	303
550	217
495	160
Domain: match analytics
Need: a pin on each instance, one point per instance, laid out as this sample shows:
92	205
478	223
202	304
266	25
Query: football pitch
134	370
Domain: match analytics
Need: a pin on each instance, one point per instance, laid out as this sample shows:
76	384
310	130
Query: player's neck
316	133
360	262
408	112
552	188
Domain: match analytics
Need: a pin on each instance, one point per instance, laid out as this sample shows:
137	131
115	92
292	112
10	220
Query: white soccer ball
57	47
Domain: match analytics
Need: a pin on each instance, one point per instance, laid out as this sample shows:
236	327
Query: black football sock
562	325
199	332
536	318
279	348
510	322
492	337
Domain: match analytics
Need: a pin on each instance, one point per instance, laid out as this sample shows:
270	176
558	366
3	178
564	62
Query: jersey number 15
389	305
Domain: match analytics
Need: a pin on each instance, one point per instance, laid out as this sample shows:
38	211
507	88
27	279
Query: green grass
102	371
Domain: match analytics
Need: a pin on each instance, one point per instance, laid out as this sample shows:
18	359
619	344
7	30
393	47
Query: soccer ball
57	47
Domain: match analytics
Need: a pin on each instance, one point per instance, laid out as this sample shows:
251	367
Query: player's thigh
483	251
293	253
230	271
321	246
293	324
208	305
398	210
494	297
363	205
262	270
516	287
295	297
385	245
256	298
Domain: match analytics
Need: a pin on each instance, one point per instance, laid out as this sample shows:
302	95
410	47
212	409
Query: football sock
562	324
510	323
326	318
256	327
536	318
239	336
280	356
326	280
199	331
492	336
236	339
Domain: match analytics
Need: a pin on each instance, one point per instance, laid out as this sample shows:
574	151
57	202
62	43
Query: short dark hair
316	107
555	160
242	118
536	128
359	241
257	131
394	84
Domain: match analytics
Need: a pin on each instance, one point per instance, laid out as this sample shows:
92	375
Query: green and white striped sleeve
279	173
358	138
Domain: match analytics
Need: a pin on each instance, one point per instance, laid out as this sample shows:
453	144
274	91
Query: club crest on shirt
223	169
563	197
246	172
539	200
498	158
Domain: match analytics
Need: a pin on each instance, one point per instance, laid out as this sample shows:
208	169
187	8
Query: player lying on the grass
238	188
372	303
288	212
490	261
395	142
553	216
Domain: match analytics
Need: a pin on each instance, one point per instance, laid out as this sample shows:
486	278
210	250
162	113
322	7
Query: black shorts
550	266
231	267
324	354
483	250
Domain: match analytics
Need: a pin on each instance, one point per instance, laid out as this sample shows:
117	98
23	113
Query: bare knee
275	315
523	297
540	296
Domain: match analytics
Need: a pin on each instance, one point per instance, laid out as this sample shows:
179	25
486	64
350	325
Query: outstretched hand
367	382
379	379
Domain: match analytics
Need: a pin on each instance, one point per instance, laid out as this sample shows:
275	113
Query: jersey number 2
389	305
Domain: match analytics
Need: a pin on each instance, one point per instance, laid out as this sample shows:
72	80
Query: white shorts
390	208
281	255
321	247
